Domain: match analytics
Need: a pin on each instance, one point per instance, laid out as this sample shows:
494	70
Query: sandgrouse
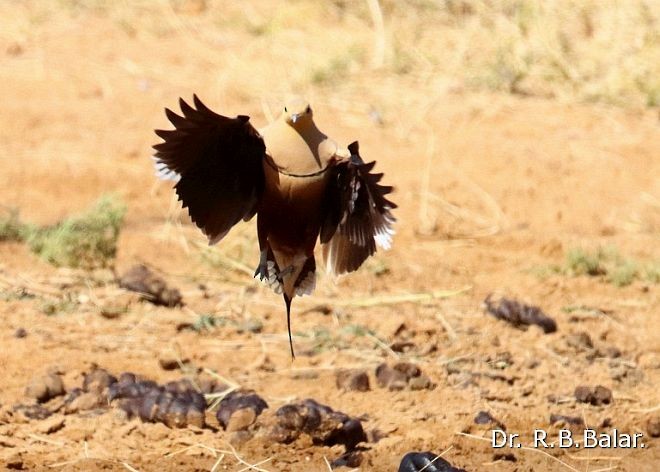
298	182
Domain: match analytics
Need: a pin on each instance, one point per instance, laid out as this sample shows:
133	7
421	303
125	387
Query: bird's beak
294	118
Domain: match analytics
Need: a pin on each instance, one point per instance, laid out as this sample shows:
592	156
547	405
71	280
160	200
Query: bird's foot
265	267
262	271
283	273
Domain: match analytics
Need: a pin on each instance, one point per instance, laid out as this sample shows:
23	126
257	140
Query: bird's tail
287	301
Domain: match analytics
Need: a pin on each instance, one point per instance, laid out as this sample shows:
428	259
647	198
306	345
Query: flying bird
301	185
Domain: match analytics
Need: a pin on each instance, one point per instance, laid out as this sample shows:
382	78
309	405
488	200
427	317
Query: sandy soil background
508	148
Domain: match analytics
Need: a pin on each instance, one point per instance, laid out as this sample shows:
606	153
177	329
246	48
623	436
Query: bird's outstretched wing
217	163
357	214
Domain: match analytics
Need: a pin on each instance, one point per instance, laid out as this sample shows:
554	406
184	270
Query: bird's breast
293	193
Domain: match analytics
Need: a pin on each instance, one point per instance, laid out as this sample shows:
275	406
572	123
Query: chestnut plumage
301	185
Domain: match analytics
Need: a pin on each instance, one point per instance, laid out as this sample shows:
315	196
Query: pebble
45	387
352	380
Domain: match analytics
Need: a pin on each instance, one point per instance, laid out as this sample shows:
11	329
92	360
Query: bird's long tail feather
287	301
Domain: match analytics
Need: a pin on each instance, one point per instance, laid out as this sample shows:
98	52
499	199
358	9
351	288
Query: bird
302	186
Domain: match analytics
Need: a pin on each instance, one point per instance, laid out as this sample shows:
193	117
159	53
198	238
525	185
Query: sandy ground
491	189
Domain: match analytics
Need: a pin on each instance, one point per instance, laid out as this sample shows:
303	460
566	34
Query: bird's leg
284	272
264	247
262	268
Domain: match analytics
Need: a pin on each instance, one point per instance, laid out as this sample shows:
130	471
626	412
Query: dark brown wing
218	164
357	214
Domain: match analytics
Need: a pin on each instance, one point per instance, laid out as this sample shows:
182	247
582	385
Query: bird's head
297	112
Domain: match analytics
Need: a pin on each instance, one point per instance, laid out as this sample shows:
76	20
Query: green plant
652	272
623	274
208	323
11	227
87	241
582	262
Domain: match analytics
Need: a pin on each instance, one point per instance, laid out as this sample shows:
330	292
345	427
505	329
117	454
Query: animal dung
402	375
321	423
238	401
32	412
597	395
427	462
151	287
519	314
176	404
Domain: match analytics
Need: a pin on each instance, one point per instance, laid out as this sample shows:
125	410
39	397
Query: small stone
504	456
420	383
484	417
15	462
20	333
567	420
402	346
602	395
45	387
598	395
408	369
653	426
390	378
580	341
51	425
583	394
402	375
167	362
352	380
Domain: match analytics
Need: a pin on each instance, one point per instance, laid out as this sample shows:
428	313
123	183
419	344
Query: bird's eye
285	110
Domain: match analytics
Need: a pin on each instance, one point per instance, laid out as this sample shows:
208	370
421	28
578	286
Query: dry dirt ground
493	191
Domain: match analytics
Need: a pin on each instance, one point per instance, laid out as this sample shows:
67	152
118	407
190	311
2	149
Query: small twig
254	466
597	458
248	465
383	346
129	467
646	410
448	328
436	458
217	463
